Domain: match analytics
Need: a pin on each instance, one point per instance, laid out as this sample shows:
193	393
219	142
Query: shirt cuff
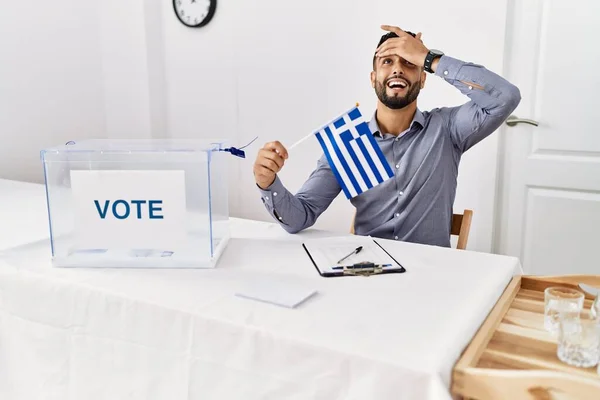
448	67
269	195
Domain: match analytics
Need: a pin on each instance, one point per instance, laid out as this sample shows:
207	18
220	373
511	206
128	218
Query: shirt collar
374	127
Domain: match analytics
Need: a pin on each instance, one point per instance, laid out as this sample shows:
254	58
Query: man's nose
398	70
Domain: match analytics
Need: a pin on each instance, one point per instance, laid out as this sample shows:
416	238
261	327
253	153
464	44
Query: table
182	334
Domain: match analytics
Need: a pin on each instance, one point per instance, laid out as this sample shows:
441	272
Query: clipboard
382	263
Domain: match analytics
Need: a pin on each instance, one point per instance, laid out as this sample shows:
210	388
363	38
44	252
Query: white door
548	210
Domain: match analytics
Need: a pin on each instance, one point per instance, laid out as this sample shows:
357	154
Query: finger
389	42
271	155
278	147
419	36
387	53
394	29
383	48
259	170
269	164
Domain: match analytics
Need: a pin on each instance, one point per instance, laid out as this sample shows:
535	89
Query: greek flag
353	154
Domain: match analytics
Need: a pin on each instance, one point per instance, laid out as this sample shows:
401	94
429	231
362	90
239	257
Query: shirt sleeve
493	99
300	211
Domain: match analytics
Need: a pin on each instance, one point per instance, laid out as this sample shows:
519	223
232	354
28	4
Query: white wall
279	69
50	80
71	70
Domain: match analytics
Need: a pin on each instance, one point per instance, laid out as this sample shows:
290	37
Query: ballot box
137	203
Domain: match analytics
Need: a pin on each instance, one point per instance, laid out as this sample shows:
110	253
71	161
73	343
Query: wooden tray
513	357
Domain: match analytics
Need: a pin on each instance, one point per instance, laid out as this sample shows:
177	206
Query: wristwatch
432	55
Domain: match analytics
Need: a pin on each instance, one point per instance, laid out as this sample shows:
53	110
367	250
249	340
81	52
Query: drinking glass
561	302
595	311
579	341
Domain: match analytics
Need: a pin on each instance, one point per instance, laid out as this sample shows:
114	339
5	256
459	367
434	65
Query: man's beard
397	102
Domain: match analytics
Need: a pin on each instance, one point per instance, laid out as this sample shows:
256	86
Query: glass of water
561	302
579	342
595	311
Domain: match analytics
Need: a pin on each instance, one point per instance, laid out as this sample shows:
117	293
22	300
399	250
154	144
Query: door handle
513	120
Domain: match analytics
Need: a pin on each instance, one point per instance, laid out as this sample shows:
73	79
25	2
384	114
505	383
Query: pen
355	251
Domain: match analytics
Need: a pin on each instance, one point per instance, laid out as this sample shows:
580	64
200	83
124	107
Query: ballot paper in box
137	203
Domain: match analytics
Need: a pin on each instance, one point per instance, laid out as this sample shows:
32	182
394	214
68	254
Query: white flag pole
312	133
300	141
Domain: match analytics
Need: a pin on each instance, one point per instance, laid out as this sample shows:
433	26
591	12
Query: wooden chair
461	225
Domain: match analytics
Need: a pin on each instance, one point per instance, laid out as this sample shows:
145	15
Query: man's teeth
397	84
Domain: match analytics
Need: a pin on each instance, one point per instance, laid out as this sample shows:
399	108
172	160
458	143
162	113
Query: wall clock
194	13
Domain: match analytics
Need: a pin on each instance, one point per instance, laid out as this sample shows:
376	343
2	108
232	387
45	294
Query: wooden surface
461	226
456	224
513	356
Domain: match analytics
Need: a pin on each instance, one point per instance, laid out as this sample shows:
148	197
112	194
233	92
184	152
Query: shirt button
397	215
267	198
401	193
274	194
397	139
445	72
396	237
397	166
470	87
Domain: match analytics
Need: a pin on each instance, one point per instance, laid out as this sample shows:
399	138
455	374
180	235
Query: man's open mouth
397	84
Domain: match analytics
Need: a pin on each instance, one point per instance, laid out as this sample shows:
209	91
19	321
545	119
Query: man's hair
385	37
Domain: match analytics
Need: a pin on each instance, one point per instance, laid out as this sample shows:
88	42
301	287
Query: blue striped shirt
416	204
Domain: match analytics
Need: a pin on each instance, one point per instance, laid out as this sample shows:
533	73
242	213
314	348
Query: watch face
437	52
194	13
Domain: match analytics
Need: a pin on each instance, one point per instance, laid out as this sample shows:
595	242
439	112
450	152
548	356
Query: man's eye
408	63
387	60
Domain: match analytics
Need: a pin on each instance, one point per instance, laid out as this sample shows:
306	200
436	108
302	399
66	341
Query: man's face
397	82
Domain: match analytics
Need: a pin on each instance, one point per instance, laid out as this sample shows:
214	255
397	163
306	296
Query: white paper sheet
276	292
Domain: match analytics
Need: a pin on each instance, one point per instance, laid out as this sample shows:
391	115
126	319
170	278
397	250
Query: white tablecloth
23	213
74	334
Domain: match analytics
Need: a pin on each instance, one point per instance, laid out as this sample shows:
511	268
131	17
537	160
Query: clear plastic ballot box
137	203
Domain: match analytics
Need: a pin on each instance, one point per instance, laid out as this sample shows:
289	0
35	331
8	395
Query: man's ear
423	79
373	79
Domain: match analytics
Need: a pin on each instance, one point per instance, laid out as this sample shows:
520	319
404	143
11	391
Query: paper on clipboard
326	253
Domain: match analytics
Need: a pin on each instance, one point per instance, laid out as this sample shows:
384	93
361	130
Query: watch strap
431	56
